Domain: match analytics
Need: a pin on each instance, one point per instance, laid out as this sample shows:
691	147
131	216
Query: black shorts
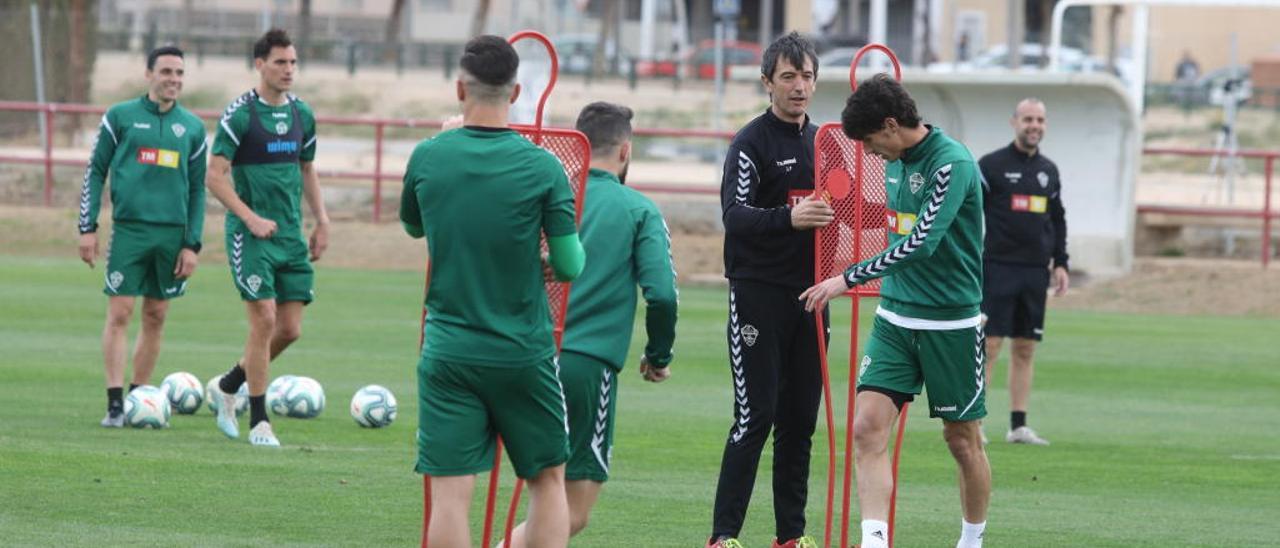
1013	298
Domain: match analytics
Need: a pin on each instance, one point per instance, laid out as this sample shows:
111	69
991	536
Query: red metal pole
848	423
897	453
831	425
378	130
48	155
487	535
1266	212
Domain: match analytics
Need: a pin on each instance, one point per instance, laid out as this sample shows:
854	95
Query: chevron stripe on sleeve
905	247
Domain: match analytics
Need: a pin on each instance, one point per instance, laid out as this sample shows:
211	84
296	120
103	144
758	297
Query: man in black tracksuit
769	215
1026	245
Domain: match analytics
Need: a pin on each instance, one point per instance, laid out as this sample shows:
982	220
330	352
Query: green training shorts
141	258
276	268
462	407
949	364
591	396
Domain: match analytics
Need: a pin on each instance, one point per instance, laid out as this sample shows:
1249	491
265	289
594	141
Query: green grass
1163	428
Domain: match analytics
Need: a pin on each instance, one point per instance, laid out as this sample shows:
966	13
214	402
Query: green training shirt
272	185
157	166
933	264
627	243
482	197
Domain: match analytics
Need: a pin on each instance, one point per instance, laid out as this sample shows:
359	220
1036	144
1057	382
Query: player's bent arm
410	211
567	256
737	193
218	179
950	186
656	274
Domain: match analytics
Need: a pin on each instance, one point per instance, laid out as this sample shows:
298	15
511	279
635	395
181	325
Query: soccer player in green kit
155	152
629	245
266	144
927	329
482	195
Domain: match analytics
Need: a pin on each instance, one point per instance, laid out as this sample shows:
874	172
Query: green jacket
627	244
933	264
157	166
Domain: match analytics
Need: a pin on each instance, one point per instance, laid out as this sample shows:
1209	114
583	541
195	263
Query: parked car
576	52
701	61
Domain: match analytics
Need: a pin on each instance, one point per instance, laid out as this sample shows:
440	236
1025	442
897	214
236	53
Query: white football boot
1024	434
116	421
263	435
226	415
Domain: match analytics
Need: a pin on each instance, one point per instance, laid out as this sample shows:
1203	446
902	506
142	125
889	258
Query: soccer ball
276	391
213	394
183	391
303	398
146	407
373	406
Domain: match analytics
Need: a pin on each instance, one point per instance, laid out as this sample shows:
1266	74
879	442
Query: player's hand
260	228
319	240
186	266
817	296
89	247
812	212
453	122
1061	281
651	373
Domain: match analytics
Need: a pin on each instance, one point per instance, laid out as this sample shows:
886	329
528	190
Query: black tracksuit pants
777	385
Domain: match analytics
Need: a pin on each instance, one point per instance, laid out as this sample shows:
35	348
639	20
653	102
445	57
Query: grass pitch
1164	431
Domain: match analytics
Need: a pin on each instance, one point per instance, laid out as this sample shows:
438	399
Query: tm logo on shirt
158	157
1027	202
900	223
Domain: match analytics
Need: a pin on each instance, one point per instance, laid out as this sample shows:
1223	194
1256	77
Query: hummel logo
142	125
878	534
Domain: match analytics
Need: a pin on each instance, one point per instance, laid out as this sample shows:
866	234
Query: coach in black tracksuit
769	217
1026	245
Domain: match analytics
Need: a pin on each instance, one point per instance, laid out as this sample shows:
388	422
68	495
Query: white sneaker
263	435
1024	434
116	421
226	416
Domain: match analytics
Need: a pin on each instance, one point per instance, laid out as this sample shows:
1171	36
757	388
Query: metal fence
47	158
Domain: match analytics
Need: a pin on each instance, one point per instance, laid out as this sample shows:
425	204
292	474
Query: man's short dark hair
274	38
606	125
792	47
158	52
490	60
876	99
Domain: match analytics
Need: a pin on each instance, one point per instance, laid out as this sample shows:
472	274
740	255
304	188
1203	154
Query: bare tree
608	28
304	29
481	16
394	25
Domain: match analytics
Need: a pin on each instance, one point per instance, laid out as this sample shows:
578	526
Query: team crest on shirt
254	282
178	130
1043	178
916	180
282	128
750	333
115	279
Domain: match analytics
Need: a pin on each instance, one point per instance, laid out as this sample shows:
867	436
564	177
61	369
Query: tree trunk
395	25
608	21
304	31
481	17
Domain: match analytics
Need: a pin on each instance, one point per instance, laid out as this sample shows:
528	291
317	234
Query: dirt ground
1155	286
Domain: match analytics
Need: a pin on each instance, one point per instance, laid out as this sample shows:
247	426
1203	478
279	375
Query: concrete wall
1093	134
